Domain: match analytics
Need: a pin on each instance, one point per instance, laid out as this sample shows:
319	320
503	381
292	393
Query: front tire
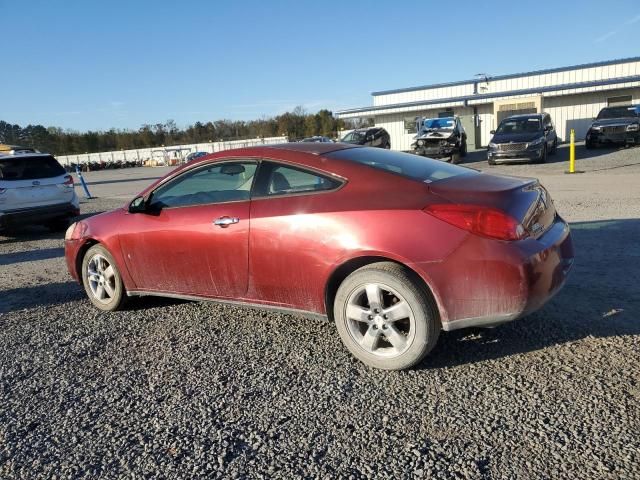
385	317
543	157
102	280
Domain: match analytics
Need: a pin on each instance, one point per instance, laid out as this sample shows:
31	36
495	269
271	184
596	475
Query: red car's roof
313	148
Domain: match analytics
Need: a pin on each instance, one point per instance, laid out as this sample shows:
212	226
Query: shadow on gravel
28	234
144	303
36	232
601	299
478	158
39	296
30	256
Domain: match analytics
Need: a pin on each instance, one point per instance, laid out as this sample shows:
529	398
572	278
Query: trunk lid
522	198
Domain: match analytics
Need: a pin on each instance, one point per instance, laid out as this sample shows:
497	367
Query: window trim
305	168
182	173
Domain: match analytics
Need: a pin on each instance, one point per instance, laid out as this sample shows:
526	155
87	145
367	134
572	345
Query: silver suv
35	189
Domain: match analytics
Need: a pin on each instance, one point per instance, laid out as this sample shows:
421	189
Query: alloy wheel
380	320
101	278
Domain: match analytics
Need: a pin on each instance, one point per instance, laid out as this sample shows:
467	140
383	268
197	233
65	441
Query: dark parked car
615	126
523	138
392	246
440	138
370	137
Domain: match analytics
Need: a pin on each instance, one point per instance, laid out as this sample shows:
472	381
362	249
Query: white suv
35	189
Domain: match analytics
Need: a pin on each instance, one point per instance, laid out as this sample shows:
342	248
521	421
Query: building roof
508	76
479	98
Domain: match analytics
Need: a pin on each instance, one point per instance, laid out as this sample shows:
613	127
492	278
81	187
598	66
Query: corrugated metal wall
565	77
575	75
567	111
569	108
426	94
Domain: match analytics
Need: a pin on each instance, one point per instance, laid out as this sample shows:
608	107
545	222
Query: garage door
508	109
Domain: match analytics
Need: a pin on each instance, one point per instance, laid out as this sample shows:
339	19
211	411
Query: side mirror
492	132
138	205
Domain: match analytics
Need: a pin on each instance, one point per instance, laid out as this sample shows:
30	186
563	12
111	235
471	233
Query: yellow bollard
572	152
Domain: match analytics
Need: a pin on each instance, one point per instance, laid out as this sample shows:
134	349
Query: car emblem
35	182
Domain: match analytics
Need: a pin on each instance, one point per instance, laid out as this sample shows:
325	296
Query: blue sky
102	64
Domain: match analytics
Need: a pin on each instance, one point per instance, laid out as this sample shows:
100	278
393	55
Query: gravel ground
182	389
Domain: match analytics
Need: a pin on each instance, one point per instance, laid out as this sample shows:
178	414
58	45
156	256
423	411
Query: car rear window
405	164
29	168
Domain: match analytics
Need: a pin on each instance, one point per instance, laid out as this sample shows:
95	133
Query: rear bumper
488	282
36	215
519	156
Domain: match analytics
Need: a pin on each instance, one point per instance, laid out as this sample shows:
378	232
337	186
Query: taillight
68	180
483	221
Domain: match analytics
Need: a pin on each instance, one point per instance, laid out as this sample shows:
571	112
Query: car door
292	235
192	238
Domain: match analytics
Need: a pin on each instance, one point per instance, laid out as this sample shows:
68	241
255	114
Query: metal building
572	95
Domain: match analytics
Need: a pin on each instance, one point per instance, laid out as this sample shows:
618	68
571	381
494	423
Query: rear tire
102	280
385	317
589	145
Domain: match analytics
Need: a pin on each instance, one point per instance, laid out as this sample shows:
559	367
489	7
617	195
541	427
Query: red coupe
392	246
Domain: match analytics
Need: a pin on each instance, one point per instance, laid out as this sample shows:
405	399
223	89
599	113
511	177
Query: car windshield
617	112
412	166
439	123
29	168
520	125
354	137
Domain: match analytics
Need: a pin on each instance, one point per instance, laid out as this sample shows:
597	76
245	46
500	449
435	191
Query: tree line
296	125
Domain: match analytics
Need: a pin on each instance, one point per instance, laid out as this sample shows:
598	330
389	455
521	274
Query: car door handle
225	221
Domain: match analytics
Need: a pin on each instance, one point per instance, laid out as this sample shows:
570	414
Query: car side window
213	183
278	179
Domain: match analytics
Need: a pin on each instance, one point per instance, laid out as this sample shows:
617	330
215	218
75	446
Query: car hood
434	135
615	121
515	137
